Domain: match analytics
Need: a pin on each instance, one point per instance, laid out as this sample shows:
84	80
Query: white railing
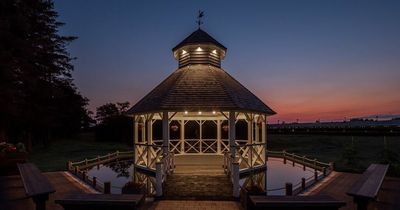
190	146
250	156
147	155
98	160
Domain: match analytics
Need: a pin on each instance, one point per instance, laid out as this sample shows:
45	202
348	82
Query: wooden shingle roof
200	88
199	37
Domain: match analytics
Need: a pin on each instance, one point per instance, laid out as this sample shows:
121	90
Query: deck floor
198	177
339	183
12	192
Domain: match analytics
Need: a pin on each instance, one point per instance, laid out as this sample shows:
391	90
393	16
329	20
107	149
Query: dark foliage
38	100
113	124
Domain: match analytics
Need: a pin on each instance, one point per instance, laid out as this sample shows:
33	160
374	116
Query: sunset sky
307	60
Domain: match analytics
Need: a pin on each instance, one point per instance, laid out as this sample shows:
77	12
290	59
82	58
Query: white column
149	139
144	130
135	137
219	136
182	136
135	130
150	131
257	136
249	130
232	134
165	131
264	139
263	131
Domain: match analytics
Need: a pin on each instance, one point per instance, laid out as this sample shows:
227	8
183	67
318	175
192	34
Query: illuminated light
199	112
186	112
214	112
184	52
214	51
199	49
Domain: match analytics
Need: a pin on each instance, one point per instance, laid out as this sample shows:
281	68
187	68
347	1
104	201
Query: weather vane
199	17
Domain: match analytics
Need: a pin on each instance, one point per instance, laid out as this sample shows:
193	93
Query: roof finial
199	17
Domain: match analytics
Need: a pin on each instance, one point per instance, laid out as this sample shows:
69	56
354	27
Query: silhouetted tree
110	110
37	97
113	125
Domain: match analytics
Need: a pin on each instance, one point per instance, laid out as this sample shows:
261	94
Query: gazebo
200	109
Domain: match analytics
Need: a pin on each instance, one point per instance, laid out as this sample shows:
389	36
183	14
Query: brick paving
193	205
198	187
198	177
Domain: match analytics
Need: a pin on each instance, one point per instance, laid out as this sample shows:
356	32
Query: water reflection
119	173
273	179
276	175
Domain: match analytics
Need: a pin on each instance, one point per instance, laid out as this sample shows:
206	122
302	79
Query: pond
278	173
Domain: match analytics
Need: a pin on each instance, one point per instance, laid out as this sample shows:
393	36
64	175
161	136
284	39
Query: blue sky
306	59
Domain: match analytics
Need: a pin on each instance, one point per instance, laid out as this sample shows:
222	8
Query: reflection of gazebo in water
200	109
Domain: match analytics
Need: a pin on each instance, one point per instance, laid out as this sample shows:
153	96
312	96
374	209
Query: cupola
199	48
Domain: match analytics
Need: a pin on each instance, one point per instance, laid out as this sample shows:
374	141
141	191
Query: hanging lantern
225	127
174	128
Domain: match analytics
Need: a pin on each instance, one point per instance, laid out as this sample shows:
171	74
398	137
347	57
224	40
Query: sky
308	60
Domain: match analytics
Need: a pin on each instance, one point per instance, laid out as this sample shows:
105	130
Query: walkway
339	183
193	205
12	192
198	177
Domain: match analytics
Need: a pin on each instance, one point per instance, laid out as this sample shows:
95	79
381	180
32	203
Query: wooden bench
367	187
317	202
101	201
36	185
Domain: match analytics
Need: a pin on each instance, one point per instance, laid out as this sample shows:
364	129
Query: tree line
39	101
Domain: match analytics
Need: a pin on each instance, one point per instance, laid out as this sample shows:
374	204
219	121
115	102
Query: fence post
235	176
117	153
331	166
84	176
159	175
289	188
76	170
316	175
303	183
68	165
284	156
324	171
315	163
94	182
86	161
304	163
107	187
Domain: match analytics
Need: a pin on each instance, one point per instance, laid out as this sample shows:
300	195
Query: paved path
193	205
198	177
339	183
12	192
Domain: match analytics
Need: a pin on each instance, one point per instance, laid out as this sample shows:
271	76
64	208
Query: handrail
99	159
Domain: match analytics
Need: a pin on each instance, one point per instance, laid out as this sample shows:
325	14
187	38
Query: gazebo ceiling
200	88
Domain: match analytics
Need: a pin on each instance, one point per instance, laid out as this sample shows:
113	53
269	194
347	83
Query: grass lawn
327	148
55	156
